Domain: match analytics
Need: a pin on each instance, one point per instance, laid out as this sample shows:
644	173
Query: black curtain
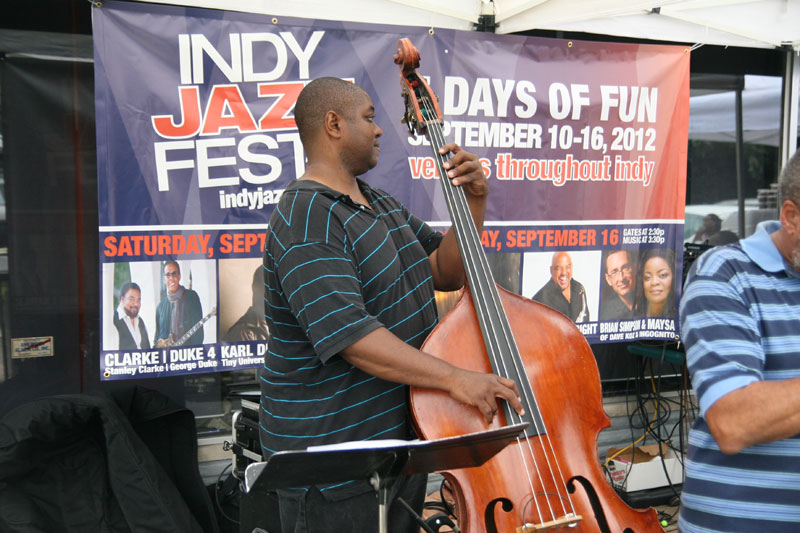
51	196
50	170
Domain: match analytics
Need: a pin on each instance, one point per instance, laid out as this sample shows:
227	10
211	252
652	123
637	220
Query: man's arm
195	311
465	170
159	334
725	355
382	354
763	411
145	344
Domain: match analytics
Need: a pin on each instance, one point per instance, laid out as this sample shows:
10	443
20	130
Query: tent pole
739	158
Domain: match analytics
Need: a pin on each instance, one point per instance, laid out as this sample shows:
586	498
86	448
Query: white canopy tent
753	23
712	118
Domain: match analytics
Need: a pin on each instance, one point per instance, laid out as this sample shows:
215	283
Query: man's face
360	147
172	277
561	270
711	224
792	211
796	255
619	273
131	302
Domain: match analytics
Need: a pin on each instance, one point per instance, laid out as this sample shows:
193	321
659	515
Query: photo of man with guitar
179	316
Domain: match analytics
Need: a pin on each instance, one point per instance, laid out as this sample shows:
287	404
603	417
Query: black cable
448	508
217	486
415	515
630	426
444	505
661	441
619	486
655	427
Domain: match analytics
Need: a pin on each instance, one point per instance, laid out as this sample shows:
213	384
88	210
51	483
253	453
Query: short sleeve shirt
335	271
739	319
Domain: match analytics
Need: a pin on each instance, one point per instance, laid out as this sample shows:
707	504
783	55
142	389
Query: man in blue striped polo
349	299
741	323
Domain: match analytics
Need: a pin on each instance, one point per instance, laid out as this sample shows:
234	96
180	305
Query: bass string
486	293
462	227
493	347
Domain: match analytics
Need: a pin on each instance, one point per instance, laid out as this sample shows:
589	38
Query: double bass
550	478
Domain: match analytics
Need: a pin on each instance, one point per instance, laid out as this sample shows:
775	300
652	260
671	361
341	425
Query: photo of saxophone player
563	293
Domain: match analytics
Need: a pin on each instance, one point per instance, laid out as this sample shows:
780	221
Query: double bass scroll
550	478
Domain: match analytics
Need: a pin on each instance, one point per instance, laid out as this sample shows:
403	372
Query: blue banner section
630	330
583	143
162	362
581	237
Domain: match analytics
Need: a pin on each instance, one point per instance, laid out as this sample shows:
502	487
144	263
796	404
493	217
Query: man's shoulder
544	291
721	274
721	259
381	195
613	308
192	295
305	191
302	204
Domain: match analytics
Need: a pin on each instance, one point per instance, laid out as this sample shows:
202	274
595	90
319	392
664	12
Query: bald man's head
561	269
319	97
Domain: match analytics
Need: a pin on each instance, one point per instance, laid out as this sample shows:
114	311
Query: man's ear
790	218
332	124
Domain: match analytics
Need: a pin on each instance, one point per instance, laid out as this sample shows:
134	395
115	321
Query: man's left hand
465	170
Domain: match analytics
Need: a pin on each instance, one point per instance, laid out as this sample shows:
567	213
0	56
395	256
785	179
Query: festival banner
584	145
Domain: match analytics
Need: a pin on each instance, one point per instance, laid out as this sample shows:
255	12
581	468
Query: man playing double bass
350	277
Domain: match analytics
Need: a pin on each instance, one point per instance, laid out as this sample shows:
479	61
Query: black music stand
378	462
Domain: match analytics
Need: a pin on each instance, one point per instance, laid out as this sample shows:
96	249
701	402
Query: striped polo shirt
335	271
740	320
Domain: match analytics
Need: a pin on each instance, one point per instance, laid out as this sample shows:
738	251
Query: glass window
712	204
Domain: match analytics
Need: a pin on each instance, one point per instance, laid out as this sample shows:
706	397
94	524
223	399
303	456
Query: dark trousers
310	512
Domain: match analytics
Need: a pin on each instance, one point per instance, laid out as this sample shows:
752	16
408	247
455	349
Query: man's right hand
482	390
165	343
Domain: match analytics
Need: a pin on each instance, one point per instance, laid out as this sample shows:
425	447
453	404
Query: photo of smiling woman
655	284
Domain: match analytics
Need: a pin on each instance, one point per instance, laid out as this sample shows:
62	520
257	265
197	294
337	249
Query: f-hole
599	514
488	514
